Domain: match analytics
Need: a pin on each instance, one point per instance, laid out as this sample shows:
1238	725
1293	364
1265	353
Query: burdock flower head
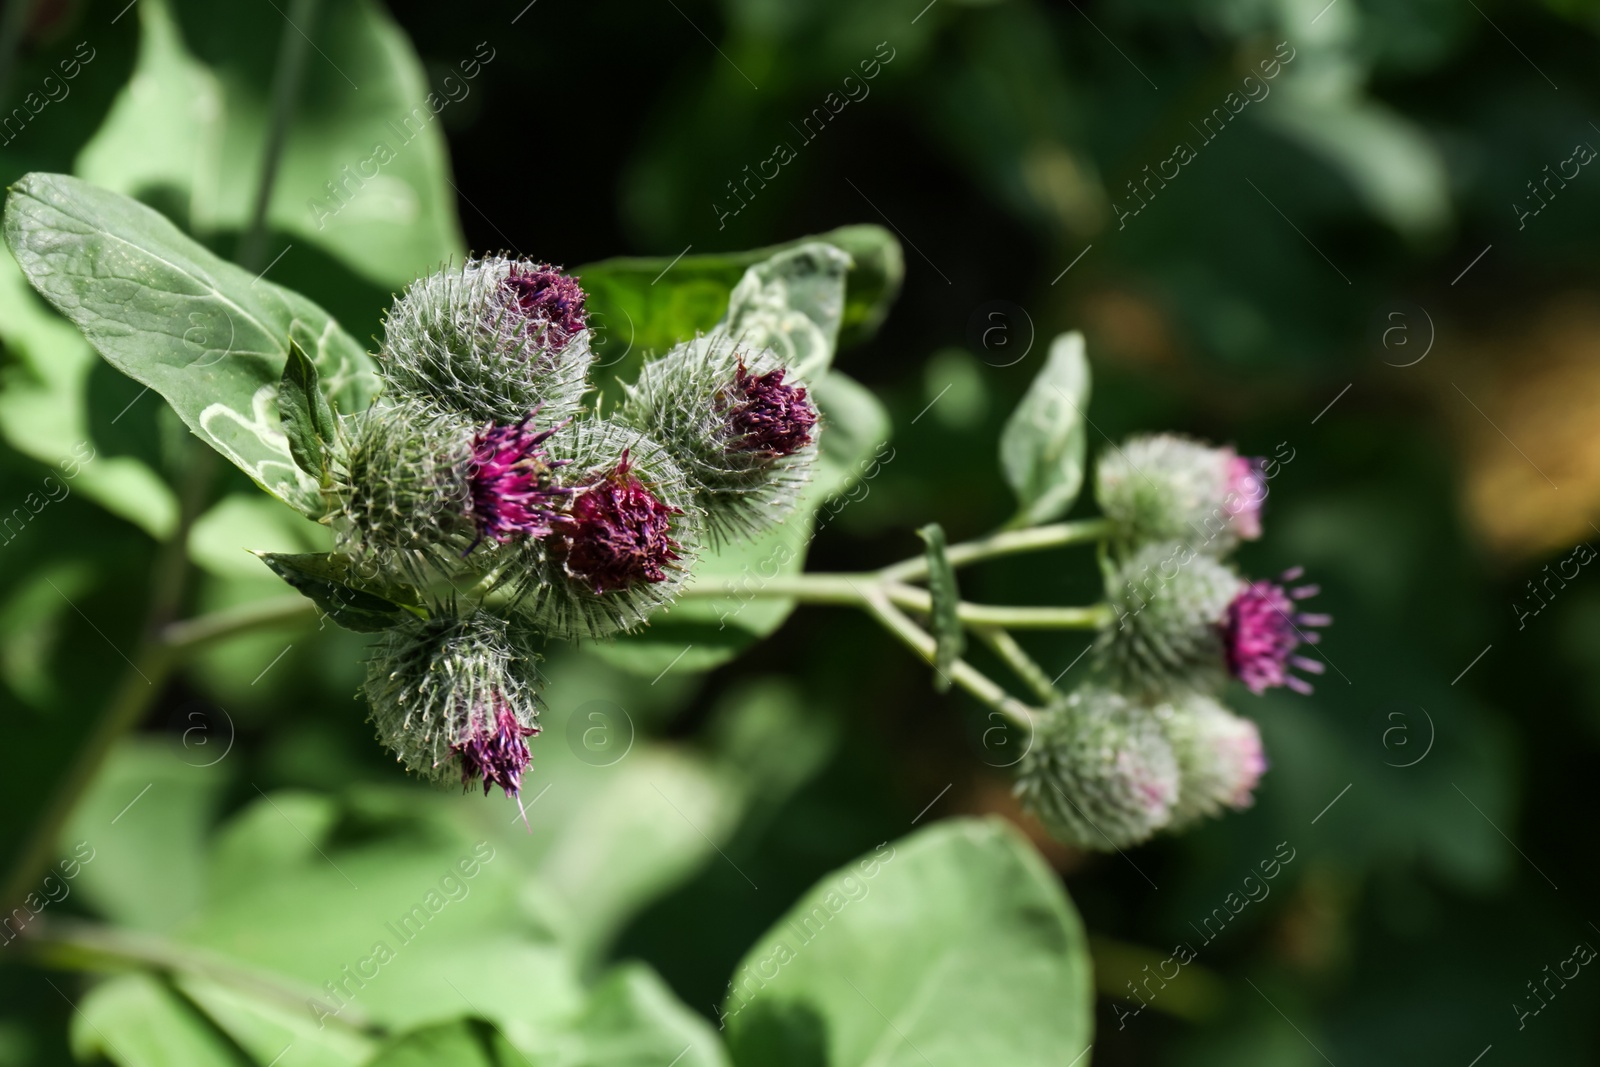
418	490
618	532
1219	754
550	302
1163	632
1099	774
454	698
1164	487
510	483
742	427
1262	629
769	417
623	544
493	340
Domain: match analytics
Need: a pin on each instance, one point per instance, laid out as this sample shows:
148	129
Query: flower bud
742	429
625	540
454	697
1219	754
1163	487
1100	773
1168	602
418	490
493	340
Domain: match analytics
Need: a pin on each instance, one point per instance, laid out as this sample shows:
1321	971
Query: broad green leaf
649	828
226	540
139	836
950	639
308	420
463	1043
330	581
1042	445
390	906
640	307
954	946
135	1020
198	330
266	1029
792	304
44	410
633	1020
363	175
700	634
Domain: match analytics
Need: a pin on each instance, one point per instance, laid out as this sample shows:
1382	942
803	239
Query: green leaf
266	1028
464	1043
44	411
391	885
633	1020
198	330
792	304
308	420
138	838
640	307
364	174
700	634
225	540
1042	445
356	603
950	638
135	1020
651	825
952	947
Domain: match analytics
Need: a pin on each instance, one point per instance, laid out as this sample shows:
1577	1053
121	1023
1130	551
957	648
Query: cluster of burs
482	479
1144	745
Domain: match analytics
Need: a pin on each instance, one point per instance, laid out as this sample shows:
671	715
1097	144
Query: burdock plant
490	492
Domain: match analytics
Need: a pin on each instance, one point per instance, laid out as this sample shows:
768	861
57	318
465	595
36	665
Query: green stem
1005	646
961	673
71	945
855	589
292	609
286	79
1005	543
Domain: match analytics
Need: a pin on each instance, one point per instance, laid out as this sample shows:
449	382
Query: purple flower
617	533
768	417
552	302
497	756
509	483
1246	489
1261	630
